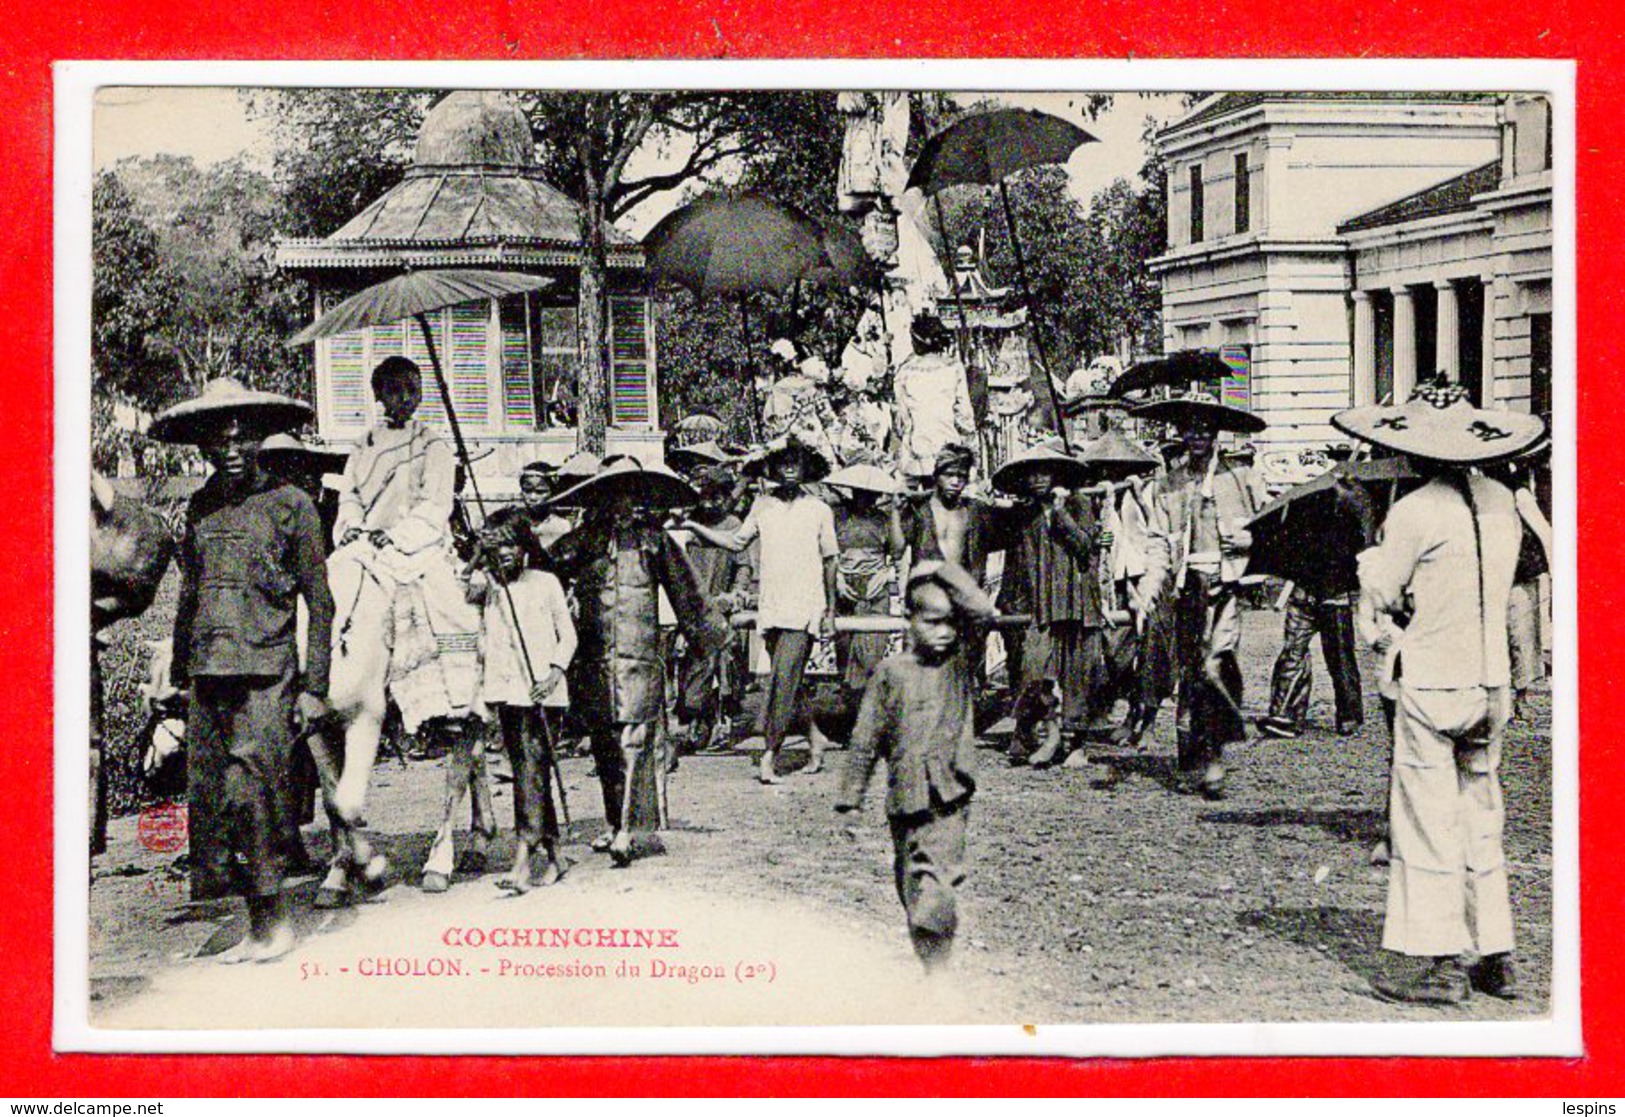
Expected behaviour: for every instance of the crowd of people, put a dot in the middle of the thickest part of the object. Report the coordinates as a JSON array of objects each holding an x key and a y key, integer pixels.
[{"x": 624, "y": 603}]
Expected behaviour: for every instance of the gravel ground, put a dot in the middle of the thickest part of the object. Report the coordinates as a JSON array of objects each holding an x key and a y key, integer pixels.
[{"x": 1083, "y": 905}]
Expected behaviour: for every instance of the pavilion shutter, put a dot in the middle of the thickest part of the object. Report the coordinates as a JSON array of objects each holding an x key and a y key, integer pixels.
[
  {"x": 466, "y": 365},
  {"x": 630, "y": 361},
  {"x": 347, "y": 382},
  {"x": 518, "y": 403}
]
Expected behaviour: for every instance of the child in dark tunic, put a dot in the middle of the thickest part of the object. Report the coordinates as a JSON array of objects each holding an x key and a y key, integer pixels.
[{"x": 917, "y": 715}]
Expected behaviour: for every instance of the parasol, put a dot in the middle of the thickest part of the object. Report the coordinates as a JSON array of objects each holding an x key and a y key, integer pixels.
[
  {"x": 985, "y": 149},
  {"x": 416, "y": 294},
  {"x": 736, "y": 245},
  {"x": 1311, "y": 533},
  {"x": 1176, "y": 370}
]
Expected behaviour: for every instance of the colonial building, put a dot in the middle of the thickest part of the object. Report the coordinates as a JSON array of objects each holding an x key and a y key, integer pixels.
[
  {"x": 474, "y": 198},
  {"x": 1336, "y": 247}
]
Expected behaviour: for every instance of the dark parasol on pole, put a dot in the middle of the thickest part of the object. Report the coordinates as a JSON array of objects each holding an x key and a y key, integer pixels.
[
  {"x": 1180, "y": 369},
  {"x": 1319, "y": 527},
  {"x": 985, "y": 149},
  {"x": 726, "y": 244}
]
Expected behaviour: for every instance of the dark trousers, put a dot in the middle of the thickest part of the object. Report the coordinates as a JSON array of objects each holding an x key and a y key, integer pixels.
[
  {"x": 788, "y": 650},
  {"x": 530, "y": 752},
  {"x": 1205, "y": 630},
  {"x": 929, "y": 866},
  {"x": 1293, "y": 677},
  {"x": 239, "y": 734},
  {"x": 610, "y": 761}
]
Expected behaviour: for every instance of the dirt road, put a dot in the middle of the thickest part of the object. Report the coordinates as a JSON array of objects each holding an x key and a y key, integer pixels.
[{"x": 1083, "y": 905}]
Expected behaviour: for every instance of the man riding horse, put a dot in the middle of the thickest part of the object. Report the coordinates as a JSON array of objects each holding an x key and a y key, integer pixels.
[{"x": 404, "y": 629}]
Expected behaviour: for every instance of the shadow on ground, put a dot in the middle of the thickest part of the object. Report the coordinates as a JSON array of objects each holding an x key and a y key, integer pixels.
[{"x": 1362, "y": 826}]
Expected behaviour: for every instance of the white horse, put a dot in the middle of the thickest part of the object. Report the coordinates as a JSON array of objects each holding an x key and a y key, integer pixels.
[
  {"x": 356, "y": 691},
  {"x": 363, "y": 652}
]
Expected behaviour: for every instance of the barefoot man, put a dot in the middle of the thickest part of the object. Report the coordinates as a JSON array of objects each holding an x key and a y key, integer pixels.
[{"x": 252, "y": 548}]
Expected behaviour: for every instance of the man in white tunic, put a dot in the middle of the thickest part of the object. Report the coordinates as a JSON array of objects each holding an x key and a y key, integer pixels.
[
  {"x": 394, "y": 532},
  {"x": 1443, "y": 571}
]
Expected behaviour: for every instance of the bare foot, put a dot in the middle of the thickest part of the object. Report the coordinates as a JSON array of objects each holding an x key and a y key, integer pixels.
[
  {"x": 514, "y": 885},
  {"x": 280, "y": 943},
  {"x": 244, "y": 951},
  {"x": 620, "y": 850},
  {"x": 552, "y": 873},
  {"x": 768, "y": 773}
]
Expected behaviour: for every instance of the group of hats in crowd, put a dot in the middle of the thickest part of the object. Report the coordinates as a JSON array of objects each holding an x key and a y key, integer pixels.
[{"x": 1438, "y": 423}]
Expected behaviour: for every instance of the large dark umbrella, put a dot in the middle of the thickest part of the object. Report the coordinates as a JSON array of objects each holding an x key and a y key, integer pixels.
[
  {"x": 416, "y": 294},
  {"x": 1315, "y": 529},
  {"x": 1176, "y": 370},
  {"x": 736, "y": 244},
  {"x": 983, "y": 150}
]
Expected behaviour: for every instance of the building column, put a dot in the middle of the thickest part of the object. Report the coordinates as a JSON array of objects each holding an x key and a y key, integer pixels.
[
  {"x": 1404, "y": 344},
  {"x": 1487, "y": 393},
  {"x": 1447, "y": 331},
  {"x": 1365, "y": 350}
]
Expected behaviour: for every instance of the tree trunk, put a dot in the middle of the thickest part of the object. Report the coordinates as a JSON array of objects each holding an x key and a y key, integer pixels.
[{"x": 592, "y": 398}]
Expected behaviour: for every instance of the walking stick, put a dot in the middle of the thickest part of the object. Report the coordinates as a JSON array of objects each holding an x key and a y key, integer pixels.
[{"x": 479, "y": 501}]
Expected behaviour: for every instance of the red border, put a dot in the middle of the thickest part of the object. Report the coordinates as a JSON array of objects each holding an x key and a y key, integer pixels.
[{"x": 37, "y": 34}]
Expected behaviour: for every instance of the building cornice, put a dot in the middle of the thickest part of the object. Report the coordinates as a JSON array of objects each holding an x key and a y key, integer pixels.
[
  {"x": 1241, "y": 248},
  {"x": 1425, "y": 228},
  {"x": 1533, "y": 191},
  {"x": 308, "y": 254}
]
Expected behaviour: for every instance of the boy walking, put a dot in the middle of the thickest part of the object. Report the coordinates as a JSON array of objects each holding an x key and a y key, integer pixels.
[
  {"x": 252, "y": 548},
  {"x": 917, "y": 715},
  {"x": 527, "y": 641}
]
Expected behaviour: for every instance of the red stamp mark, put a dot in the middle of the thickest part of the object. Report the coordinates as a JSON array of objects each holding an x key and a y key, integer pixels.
[{"x": 162, "y": 828}]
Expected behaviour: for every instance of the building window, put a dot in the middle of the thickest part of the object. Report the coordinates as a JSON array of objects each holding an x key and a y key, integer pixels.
[
  {"x": 1196, "y": 204},
  {"x": 1244, "y": 192}
]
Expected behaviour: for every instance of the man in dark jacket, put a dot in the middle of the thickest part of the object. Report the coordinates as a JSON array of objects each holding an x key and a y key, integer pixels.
[{"x": 252, "y": 548}]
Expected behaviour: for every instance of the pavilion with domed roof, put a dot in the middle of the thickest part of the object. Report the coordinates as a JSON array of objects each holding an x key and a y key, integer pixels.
[{"x": 474, "y": 198}]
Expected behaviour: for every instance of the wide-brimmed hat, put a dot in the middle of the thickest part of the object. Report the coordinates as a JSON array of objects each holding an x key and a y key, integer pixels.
[
  {"x": 1112, "y": 457},
  {"x": 815, "y": 467},
  {"x": 1440, "y": 424},
  {"x": 579, "y": 466},
  {"x": 865, "y": 477},
  {"x": 192, "y": 422},
  {"x": 1069, "y": 472},
  {"x": 1189, "y": 411},
  {"x": 699, "y": 454},
  {"x": 653, "y": 486},
  {"x": 285, "y": 447}
]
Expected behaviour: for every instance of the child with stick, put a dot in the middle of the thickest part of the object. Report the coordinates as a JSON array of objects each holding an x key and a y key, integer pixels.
[
  {"x": 917, "y": 715},
  {"x": 526, "y": 643}
]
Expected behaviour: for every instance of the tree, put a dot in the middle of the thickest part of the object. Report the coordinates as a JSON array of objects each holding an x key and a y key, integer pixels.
[{"x": 131, "y": 299}]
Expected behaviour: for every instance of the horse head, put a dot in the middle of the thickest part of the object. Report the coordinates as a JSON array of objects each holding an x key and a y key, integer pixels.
[{"x": 130, "y": 549}]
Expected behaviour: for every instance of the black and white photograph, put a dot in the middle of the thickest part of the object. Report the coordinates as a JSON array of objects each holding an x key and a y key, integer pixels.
[{"x": 853, "y": 566}]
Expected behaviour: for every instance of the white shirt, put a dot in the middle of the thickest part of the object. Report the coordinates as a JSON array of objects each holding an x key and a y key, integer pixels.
[
  {"x": 400, "y": 481},
  {"x": 550, "y": 637},
  {"x": 933, "y": 409},
  {"x": 796, "y": 537},
  {"x": 1426, "y": 564}
]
